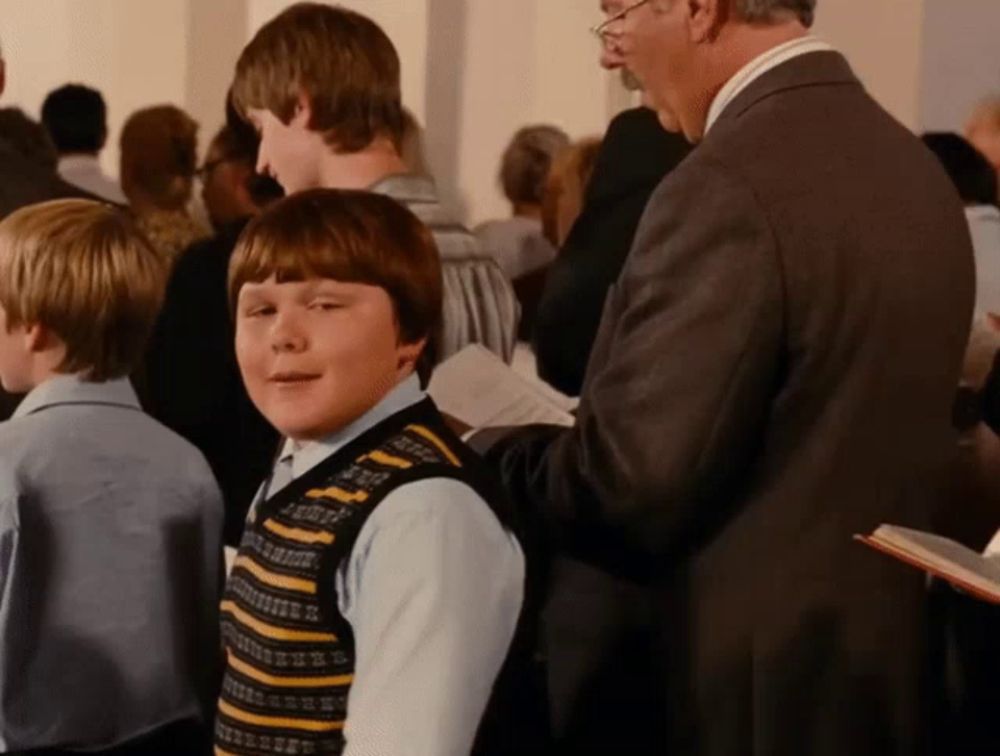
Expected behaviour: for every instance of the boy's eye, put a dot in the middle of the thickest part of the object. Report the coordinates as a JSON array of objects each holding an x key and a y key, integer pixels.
[
  {"x": 259, "y": 311},
  {"x": 324, "y": 305}
]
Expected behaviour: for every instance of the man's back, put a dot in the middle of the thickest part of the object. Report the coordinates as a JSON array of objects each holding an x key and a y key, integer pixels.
[
  {"x": 774, "y": 373},
  {"x": 814, "y": 279},
  {"x": 109, "y": 567}
]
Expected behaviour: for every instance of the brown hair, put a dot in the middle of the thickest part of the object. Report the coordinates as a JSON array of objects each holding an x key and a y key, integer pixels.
[
  {"x": 350, "y": 236},
  {"x": 83, "y": 270},
  {"x": 159, "y": 147},
  {"x": 986, "y": 115},
  {"x": 566, "y": 187},
  {"x": 526, "y": 161},
  {"x": 340, "y": 60}
]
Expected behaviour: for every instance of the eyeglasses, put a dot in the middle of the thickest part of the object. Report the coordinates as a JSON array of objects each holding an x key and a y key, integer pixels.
[{"x": 603, "y": 30}]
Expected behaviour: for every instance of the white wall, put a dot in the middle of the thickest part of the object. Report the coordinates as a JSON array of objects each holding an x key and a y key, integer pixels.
[
  {"x": 961, "y": 60},
  {"x": 134, "y": 51},
  {"x": 526, "y": 62},
  {"x": 882, "y": 40}
]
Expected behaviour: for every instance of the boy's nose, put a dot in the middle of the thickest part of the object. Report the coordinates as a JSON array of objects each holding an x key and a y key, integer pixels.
[{"x": 286, "y": 337}]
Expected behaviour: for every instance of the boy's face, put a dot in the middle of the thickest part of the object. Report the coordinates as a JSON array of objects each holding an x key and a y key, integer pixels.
[
  {"x": 290, "y": 153},
  {"x": 317, "y": 354},
  {"x": 15, "y": 357}
]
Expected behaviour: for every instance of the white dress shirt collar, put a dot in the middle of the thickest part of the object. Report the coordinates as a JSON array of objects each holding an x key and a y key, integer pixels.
[
  {"x": 306, "y": 455},
  {"x": 757, "y": 68}
]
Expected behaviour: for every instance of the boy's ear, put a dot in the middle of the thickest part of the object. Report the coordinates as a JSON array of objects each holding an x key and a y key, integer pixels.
[
  {"x": 38, "y": 338},
  {"x": 407, "y": 356},
  {"x": 303, "y": 111}
]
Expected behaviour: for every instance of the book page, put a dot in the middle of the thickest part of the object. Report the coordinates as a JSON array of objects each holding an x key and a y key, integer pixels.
[
  {"x": 479, "y": 389},
  {"x": 949, "y": 558},
  {"x": 992, "y": 551}
]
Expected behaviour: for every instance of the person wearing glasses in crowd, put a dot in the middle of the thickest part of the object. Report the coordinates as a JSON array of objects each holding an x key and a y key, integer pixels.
[
  {"x": 191, "y": 381},
  {"x": 752, "y": 399}
]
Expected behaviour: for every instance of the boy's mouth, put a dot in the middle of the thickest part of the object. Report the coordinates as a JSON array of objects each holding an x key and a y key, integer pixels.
[{"x": 292, "y": 378}]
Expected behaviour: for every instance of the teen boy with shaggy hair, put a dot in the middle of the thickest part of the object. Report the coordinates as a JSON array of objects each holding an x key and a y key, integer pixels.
[{"x": 321, "y": 85}]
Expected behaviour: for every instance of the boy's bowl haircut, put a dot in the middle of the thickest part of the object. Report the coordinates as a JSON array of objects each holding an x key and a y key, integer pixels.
[
  {"x": 83, "y": 270},
  {"x": 354, "y": 237}
]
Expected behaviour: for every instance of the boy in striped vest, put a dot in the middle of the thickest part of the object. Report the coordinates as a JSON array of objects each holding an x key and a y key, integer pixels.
[{"x": 377, "y": 585}]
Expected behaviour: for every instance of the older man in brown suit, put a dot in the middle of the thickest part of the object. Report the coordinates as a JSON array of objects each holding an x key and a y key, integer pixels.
[{"x": 773, "y": 373}]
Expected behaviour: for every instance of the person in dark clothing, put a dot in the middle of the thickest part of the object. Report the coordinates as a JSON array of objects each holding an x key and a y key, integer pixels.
[
  {"x": 192, "y": 383},
  {"x": 635, "y": 156},
  {"x": 24, "y": 181}
]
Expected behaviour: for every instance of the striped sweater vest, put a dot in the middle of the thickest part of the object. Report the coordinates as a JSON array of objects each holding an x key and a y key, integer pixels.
[{"x": 289, "y": 652}]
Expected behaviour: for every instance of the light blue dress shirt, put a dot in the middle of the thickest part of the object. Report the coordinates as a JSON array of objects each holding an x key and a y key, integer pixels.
[
  {"x": 432, "y": 589},
  {"x": 110, "y": 560}
]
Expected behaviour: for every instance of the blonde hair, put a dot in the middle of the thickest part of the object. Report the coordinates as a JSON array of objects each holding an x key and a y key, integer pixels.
[{"x": 84, "y": 271}]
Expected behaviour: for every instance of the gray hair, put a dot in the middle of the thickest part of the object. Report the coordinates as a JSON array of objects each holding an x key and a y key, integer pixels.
[{"x": 766, "y": 10}]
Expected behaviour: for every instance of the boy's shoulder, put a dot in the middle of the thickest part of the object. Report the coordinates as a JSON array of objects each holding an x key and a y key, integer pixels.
[
  {"x": 101, "y": 431},
  {"x": 416, "y": 446}
]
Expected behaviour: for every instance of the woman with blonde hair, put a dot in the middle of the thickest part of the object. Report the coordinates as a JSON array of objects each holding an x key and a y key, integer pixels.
[{"x": 159, "y": 152}]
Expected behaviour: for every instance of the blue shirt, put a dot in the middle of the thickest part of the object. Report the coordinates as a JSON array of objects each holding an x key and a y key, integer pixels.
[
  {"x": 110, "y": 543},
  {"x": 432, "y": 589}
]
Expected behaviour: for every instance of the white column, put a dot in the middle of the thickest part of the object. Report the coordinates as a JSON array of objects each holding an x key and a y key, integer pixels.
[
  {"x": 961, "y": 61},
  {"x": 882, "y": 39}
]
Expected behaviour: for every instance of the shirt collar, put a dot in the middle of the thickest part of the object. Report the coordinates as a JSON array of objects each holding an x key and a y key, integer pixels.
[
  {"x": 406, "y": 187},
  {"x": 307, "y": 455},
  {"x": 758, "y": 67},
  {"x": 982, "y": 212},
  {"x": 79, "y": 161},
  {"x": 72, "y": 389}
]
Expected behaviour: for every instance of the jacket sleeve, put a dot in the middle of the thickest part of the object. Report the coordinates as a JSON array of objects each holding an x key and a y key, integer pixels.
[{"x": 679, "y": 384}]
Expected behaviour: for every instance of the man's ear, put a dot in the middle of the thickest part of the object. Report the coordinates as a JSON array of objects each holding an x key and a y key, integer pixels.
[
  {"x": 705, "y": 18},
  {"x": 3, "y": 75},
  {"x": 407, "y": 356}
]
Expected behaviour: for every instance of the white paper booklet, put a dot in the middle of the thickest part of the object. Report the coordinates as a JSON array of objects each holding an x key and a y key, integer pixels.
[
  {"x": 478, "y": 388},
  {"x": 975, "y": 573}
]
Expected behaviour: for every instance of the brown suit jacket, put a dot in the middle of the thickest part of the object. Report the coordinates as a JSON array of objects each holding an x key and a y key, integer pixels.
[{"x": 774, "y": 373}]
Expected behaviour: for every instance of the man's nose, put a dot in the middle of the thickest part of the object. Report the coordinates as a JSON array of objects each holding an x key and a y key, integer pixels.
[{"x": 611, "y": 54}]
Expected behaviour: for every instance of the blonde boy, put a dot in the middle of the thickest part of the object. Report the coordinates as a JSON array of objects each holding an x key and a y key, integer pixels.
[
  {"x": 110, "y": 525},
  {"x": 376, "y": 589}
]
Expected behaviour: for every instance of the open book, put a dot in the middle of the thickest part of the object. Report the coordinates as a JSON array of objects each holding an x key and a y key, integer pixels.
[
  {"x": 478, "y": 388},
  {"x": 964, "y": 568}
]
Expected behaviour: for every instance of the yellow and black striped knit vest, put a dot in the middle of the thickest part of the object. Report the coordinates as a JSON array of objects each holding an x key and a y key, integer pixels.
[{"x": 289, "y": 652}]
